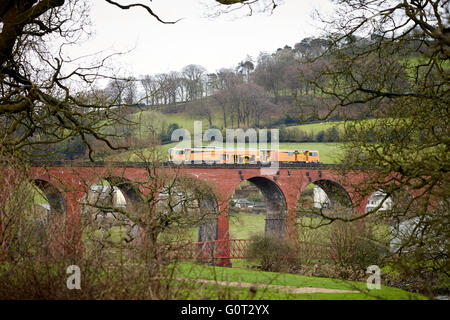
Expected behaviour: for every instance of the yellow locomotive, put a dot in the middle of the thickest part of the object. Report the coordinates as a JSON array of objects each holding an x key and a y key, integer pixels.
[{"x": 241, "y": 156}]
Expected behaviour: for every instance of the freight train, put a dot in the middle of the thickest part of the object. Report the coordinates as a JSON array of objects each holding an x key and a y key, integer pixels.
[{"x": 241, "y": 156}]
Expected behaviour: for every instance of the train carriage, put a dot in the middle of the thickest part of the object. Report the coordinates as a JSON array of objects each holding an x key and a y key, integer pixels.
[{"x": 240, "y": 156}]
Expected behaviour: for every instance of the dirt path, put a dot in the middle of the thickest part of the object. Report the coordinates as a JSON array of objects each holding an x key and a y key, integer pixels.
[{"x": 286, "y": 289}]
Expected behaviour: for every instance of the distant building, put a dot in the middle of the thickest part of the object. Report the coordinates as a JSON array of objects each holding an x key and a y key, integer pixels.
[
  {"x": 375, "y": 200},
  {"x": 117, "y": 196},
  {"x": 242, "y": 203},
  {"x": 321, "y": 200}
]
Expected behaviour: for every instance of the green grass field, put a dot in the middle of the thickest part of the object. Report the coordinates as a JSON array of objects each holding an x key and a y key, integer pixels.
[
  {"x": 186, "y": 121},
  {"x": 316, "y": 127},
  {"x": 183, "y": 120},
  {"x": 244, "y": 225},
  {"x": 193, "y": 271},
  {"x": 153, "y": 120}
]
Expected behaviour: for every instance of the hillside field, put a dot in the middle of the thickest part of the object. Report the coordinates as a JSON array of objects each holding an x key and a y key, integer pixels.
[{"x": 329, "y": 151}]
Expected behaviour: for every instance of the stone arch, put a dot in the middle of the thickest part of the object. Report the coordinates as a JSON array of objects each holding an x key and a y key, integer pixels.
[
  {"x": 54, "y": 196},
  {"x": 133, "y": 201},
  {"x": 107, "y": 194},
  {"x": 128, "y": 189},
  {"x": 206, "y": 218},
  {"x": 276, "y": 207},
  {"x": 51, "y": 228},
  {"x": 327, "y": 198},
  {"x": 336, "y": 194}
]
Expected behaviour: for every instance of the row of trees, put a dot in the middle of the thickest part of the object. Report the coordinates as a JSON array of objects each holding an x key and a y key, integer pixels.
[
  {"x": 242, "y": 96},
  {"x": 277, "y": 73},
  {"x": 295, "y": 134},
  {"x": 169, "y": 88},
  {"x": 238, "y": 104}
]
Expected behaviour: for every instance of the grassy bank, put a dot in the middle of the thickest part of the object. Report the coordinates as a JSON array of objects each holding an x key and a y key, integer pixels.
[{"x": 292, "y": 281}]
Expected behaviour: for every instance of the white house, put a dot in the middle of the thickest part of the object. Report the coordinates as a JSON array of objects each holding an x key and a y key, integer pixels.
[
  {"x": 117, "y": 196},
  {"x": 375, "y": 200},
  {"x": 321, "y": 199}
]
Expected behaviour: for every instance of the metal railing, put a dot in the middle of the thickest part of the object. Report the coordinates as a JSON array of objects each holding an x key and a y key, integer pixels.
[{"x": 214, "y": 249}]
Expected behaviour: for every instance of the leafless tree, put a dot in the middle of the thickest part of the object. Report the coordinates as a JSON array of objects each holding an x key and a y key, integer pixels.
[
  {"x": 194, "y": 81},
  {"x": 148, "y": 83},
  {"x": 270, "y": 70}
]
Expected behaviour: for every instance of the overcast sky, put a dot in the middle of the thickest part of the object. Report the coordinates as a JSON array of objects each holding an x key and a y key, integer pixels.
[{"x": 212, "y": 43}]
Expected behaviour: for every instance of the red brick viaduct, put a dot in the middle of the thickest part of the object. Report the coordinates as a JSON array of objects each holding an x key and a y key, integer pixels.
[{"x": 64, "y": 186}]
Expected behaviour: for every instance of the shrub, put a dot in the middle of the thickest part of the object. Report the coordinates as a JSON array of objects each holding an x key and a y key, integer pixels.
[
  {"x": 273, "y": 253},
  {"x": 368, "y": 252},
  {"x": 320, "y": 136},
  {"x": 353, "y": 249},
  {"x": 166, "y": 135},
  {"x": 332, "y": 135}
]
